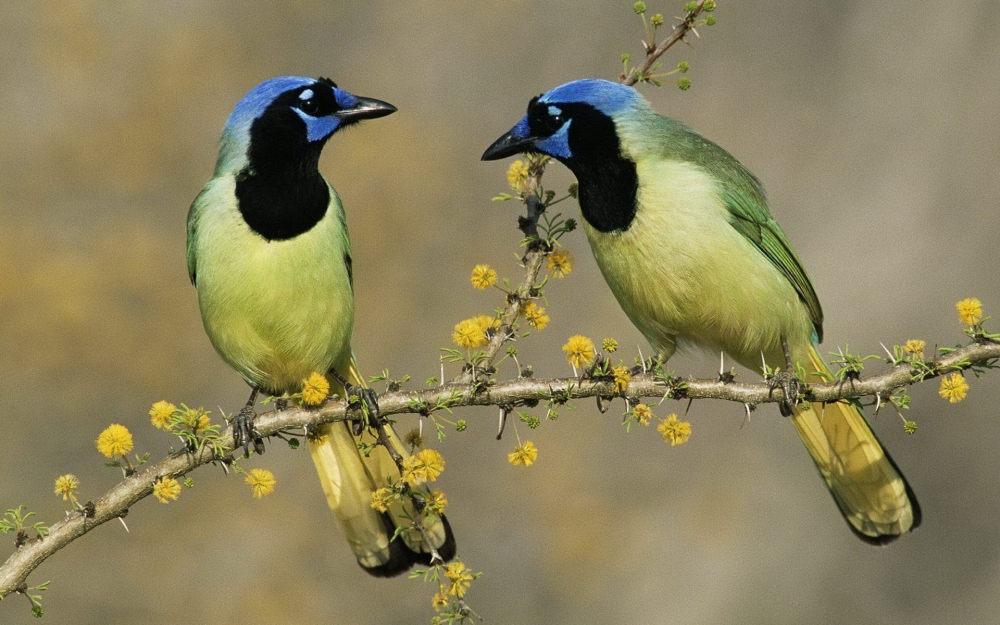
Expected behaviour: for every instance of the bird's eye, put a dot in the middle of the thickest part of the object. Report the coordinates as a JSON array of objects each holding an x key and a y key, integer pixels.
[
  {"x": 309, "y": 107},
  {"x": 555, "y": 122}
]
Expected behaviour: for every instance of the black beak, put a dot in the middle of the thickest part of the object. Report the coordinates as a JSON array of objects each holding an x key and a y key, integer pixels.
[
  {"x": 509, "y": 145},
  {"x": 366, "y": 108}
]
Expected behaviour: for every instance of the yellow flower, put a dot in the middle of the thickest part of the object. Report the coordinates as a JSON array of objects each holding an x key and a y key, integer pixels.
[
  {"x": 381, "y": 499},
  {"x": 436, "y": 502},
  {"x": 523, "y": 456},
  {"x": 161, "y": 413},
  {"x": 115, "y": 440},
  {"x": 579, "y": 350},
  {"x": 675, "y": 432},
  {"x": 642, "y": 413},
  {"x": 622, "y": 378},
  {"x": 469, "y": 334},
  {"x": 609, "y": 345},
  {"x": 486, "y": 322},
  {"x": 440, "y": 600},
  {"x": 166, "y": 489},
  {"x": 483, "y": 277},
  {"x": 413, "y": 471},
  {"x": 915, "y": 347},
  {"x": 517, "y": 175},
  {"x": 315, "y": 389},
  {"x": 970, "y": 311},
  {"x": 535, "y": 315},
  {"x": 65, "y": 485},
  {"x": 953, "y": 388},
  {"x": 261, "y": 481},
  {"x": 433, "y": 463},
  {"x": 196, "y": 418},
  {"x": 461, "y": 578},
  {"x": 560, "y": 263}
]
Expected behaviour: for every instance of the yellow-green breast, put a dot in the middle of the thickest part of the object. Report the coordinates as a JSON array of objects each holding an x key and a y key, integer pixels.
[
  {"x": 276, "y": 311},
  {"x": 683, "y": 274}
]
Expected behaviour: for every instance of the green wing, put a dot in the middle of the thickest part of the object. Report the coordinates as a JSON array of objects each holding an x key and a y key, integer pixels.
[
  {"x": 194, "y": 213},
  {"x": 752, "y": 219},
  {"x": 744, "y": 196}
]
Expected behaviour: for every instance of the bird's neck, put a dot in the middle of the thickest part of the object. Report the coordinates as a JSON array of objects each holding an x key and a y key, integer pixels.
[
  {"x": 607, "y": 191},
  {"x": 282, "y": 198}
]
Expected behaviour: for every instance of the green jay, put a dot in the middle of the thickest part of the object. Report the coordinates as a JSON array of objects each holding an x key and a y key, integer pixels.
[
  {"x": 269, "y": 253},
  {"x": 683, "y": 235}
]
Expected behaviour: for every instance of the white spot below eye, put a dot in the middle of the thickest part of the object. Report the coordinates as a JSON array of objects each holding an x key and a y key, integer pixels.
[
  {"x": 305, "y": 95},
  {"x": 555, "y": 111}
]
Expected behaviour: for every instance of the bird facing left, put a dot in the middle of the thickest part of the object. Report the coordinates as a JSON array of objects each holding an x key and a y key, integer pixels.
[{"x": 269, "y": 254}]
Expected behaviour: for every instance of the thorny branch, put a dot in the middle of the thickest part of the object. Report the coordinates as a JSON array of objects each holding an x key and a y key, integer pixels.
[{"x": 117, "y": 501}]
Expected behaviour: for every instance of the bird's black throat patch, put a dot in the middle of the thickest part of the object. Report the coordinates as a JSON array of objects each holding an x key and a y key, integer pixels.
[
  {"x": 608, "y": 180},
  {"x": 280, "y": 192}
]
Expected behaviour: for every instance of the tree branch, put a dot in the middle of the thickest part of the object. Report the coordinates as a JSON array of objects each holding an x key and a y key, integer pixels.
[{"x": 117, "y": 501}]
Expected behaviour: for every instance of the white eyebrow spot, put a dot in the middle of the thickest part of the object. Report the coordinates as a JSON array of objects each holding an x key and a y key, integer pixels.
[
  {"x": 305, "y": 95},
  {"x": 555, "y": 111}
]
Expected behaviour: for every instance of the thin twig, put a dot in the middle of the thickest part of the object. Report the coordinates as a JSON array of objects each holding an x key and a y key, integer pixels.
[{"x": 685, "y": 26}]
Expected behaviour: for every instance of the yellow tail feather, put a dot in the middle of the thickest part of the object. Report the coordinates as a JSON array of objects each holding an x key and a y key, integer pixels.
[
  {"x": 349, "y": 478},
  {"x": 870, "y": 491}
]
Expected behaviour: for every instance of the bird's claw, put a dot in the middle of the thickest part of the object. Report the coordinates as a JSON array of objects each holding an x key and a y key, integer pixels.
[
  {"x": 790, "y": 386},
  {"x": 244, "y": 433},
  {"x": 367, "y": 403}
]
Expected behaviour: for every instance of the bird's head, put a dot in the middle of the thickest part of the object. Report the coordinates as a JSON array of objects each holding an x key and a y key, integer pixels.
[
  {"x": 574, "y": 122},
  {"x": 289, "y": 118}
]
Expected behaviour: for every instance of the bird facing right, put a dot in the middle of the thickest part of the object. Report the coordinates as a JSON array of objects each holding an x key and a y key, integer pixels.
[{"x": 683, "y": 235}]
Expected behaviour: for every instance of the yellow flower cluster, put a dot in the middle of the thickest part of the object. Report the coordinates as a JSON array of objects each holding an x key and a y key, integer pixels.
[
  {"x": 915, "y": 347},
  {"x": 622, "y": 378},
  {"x": 440, "y": 600},
  {"x": 517, "y": 175},
  {"x": 953, "y": 388},
  {"x": 197, "y": 419},
  {"x": 483, "y": 277},
  {"x": 161, "y": 413},
  {"x": 166, "y": 490},
  {"x": 261, "y": 482},
  {"x": 674, "y": 431},
  {"x": 609, "y": 345},
  {"x": 65, "y": 485},
  {"x": 461, "y": 578},
  {"x": 560, "y": 263},
  {"x": 642, "y": 413},
  {"x": 970, "y": 311},
  {"x": 423, "y": 467},
  {"x": 579, "y": 350},
  {"x": 487, "y": 323},
  {"x": 115, "y": 440},
  {"x": 436, "y": 502},
  {"x": 470, "y": 334},
  {"x": 315, "y": 389},
  {"x": 381, "y": 499},
  {"x": 524, "y": 455},
  {"x": 535, "y": 315}
]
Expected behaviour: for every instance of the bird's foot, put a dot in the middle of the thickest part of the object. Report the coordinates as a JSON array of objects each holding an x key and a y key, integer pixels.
[
  {"x": 365, "y": 400},
  {"x": 790, "y": 386},
  {"x": 244, "y": 433}
]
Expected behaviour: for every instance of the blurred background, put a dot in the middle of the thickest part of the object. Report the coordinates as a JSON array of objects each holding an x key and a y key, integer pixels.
[{"x": 874, "y": 127}]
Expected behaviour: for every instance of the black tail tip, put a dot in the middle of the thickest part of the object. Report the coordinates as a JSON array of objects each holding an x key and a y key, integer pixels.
[{"x": 402, "y": 558}]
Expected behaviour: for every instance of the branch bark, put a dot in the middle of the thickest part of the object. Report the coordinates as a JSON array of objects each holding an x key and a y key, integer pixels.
[{"x": 120, "y": 498}]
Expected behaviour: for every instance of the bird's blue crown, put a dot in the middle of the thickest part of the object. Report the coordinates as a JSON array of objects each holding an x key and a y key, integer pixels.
[{"x": 607, "y": 97}]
